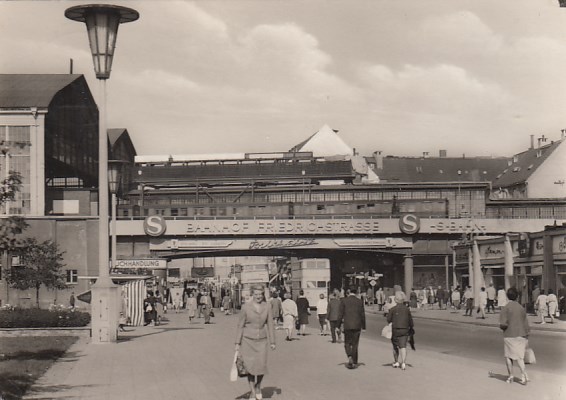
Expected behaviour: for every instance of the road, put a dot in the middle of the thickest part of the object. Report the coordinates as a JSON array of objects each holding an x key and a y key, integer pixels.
[{"x": 476, "y": 342}]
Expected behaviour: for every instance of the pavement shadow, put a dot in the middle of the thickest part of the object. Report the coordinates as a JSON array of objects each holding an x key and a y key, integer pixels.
[
  {"x": 45, "y": 392},
  {"x": 268, "y": 392},
  {"x": 499, "y": 377},
  {"x": 158, "y": 330}
]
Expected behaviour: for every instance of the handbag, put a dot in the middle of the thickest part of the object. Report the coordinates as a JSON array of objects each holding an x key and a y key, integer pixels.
[
  {"x": 241, "y": 368},
  {"x": 387, "y": 331},
  {"x": 212, "y": 313},
  {"x": 530, "y": 356}
]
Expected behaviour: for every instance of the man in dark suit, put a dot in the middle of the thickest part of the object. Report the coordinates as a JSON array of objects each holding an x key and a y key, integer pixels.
[{"x": 353, "y": 319}]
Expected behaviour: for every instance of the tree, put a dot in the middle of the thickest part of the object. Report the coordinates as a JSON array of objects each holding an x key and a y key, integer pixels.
[
  {"x": 10, "y": 227},
  {"x": 41, "y": 264}
]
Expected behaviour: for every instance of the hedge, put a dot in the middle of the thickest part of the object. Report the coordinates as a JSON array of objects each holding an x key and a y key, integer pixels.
[{"x": 38, "y": 318}]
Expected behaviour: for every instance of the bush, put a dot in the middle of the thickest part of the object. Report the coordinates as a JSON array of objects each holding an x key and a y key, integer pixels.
[{"x": 37, "y": 318}]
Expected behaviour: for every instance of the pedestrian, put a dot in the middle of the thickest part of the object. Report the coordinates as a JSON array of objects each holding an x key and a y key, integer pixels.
[
  {"x": 380, "y": 298},
  {"x": 413, "y": 299},
  {"x": 333, "y": 315},
  {"x": 303, "y": 308},
  {"x": 72, "y": 301},
  {"x": 541, "y": 307},
  {"x": 370, "y": 295},
  {"x": 552, "y": 303},
  {"x": 469, "y": 299},
  {"x": 401, "y": 322},
  {"x": 275, "y": 303},
  {"x": 177, "y": 301},
  {"x": 149, "y": 307},
  {"x": 158, "y": 307},
  {"x": 441, "y": 297},
  {"x": 456, "y": 298},
  {"x": 322, "y": 311},
  {"x": 423, "y": 297},
  {"x": 227, "y": 304},
  {"x": 353, "y": 318},
  {"x": 515, "y": 326},
  {"x": 534, "y": 296},
  {"x": 192, "y": 306},
  {"x": 501, "y": 298},
  {"x": 290, "y": 314},
  {"x": 431, "y": 297},
  {"x": 490, "y": 298},
  {"x": 199, "y": 302},
  {"x": 206, "y": 303},
  {"x": 482, "y": 302},
  {"x": 254, "y": 335}
]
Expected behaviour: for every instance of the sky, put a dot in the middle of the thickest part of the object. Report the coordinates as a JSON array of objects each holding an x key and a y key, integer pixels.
[{"x": 473, "y": 77}]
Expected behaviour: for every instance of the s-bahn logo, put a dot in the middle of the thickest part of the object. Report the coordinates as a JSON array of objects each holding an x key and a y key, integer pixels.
[
  {"x": 409, "y": 224},
  {"x": 154, "y": 225}
]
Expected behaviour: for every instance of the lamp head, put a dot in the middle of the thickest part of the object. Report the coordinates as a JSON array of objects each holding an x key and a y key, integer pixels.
[{"x": 102, "y": 21}]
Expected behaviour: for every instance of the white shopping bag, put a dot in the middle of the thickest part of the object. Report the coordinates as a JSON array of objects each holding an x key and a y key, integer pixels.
[
  {"x": 386, "y": 332},
  {"x": 234, "y": 369}
]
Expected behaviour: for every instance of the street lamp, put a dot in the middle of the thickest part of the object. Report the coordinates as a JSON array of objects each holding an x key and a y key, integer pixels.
[{"x": 102, "y": 23}]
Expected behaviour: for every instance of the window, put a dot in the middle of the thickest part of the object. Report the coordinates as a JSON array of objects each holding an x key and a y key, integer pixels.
[{"x": 72, "y": 276}]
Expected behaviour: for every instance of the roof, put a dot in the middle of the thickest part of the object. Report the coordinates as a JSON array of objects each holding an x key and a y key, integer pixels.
[
  {"x": 32, "y": 90},
  {"x": 434, "y": 169},
  {"x": 325, "y": 142},
  {"x": 115, "y": 133},
  {"x": 524, "y": 165}
]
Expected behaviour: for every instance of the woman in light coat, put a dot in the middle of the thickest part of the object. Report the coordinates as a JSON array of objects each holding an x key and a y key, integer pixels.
[
  {"x": 290, "y": 314},
  {"x": 192, "y": 306},
  {"x": 254, "y": 335}
]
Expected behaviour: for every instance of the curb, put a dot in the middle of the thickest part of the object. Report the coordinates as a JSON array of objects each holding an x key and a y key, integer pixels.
[{"x": 26, "y": 332}]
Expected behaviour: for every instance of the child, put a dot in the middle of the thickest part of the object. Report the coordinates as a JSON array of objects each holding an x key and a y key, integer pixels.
[{"x": 226, "y": 305}]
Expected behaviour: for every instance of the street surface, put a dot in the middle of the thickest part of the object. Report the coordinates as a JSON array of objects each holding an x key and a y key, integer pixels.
[
  {"x": 476, "y": 342},
  {"x": 178, "y": 360}
]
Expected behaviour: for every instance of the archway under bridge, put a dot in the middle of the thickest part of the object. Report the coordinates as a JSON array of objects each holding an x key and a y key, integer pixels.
[{"x": 347, "y": 265}]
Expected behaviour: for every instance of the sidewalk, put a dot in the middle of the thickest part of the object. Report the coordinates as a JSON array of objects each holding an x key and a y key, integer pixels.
[
  {"x": 181, "y": 361},
  {"x": 490, "y": 319}
]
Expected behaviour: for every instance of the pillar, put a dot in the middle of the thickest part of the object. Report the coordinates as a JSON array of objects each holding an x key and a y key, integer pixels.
[
  {"x": 408, "y": 264},
  {"x": 478, "y": 276},
  {"x": 508, "y": 254}
]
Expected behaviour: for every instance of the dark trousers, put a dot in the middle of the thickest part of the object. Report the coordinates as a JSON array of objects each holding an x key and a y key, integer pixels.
[
  {"x": 351, "y": 342},
  {"x": 334, "y": 325},
  {"x": 490, "y": 304}
]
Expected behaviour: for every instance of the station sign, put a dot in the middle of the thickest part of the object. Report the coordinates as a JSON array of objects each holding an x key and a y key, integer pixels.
[{"x": 409, "y": 224}]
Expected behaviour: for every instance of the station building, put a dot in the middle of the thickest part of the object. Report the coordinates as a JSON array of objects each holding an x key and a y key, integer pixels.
[
  {"x": 399, "y": 218},
  {"x": 49, "y": 135}
]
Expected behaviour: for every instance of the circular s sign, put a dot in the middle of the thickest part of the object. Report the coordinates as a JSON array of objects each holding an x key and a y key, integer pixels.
[
  {"x": 409, "y": 224},
  {"x": 154, "y": 225}
]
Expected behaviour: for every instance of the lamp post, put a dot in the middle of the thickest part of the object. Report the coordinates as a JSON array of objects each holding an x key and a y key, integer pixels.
[
  {"x": 102, "y": 23},
  {"x": 114, "y": 179}
]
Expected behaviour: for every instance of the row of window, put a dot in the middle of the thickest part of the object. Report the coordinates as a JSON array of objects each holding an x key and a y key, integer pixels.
[
  {"x": 15, "y": 142},
  {"x": 305, "y": 197}
]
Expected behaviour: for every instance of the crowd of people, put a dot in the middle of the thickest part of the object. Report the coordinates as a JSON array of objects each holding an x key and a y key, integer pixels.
[
  {"x": 342, "y": 316},
  {"x": 198, "y": 302}
]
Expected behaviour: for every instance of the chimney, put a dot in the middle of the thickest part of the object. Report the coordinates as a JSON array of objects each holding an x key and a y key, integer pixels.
[
  {"x": 532, "y": 142},
  {"x": 378, "y": 157},
  {"x": 442, "y": 153},
  {"x": 71, "y": 66}
]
